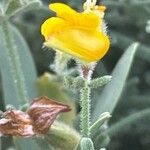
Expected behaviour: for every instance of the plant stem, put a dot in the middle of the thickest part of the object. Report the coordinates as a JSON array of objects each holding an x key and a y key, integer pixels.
[
  {"x": 85, "y": 104},
  {"x": 85, "y": 112},
  {"x": 14, "y": 62}
]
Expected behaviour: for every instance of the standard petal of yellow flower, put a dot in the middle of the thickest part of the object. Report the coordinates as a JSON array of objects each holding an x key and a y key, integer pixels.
[
  {"x": 87, "y": 45},
  {"x": 62, "y": 10},
  {"x": 74, "y": 18},
  {"x": 89, "y": 20},
  {"x": 51, "y": 26}
]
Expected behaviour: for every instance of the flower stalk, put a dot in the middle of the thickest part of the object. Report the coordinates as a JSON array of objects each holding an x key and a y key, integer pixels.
[
  {"x": 14, "y": 62},
  {"x": 85, "y": 103}
]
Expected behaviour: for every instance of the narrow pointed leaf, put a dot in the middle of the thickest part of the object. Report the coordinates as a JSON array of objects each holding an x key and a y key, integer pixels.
[
  {"x": 127, "y": 121},
  {"x": 27, "y": 64},
  {"x": 112, "y": 91},
  {"x": 10, "y": 94},
  {"x": 122, "y": 41},
  {"x": 96, "y": 125},
  {"x": 95, "y": 83},
  {"x": 17, "y": 7},
  {"x": 86, "y": 144}
]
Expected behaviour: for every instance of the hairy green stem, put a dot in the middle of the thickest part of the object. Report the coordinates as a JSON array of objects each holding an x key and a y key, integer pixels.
[
  {"x": 85, "y": 103},
  {"x": 85, "y": 111},
  {"x": 14, "y": 62}
]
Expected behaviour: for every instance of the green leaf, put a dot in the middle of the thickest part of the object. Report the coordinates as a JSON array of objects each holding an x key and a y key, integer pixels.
[
  {"x": 4, "y": 5},
  {"x": 126, "y": 122},
  {"x": 9, "y": 90},
  {"x": 86, "y": 144},
  {"x": 10, "y": 93},
  {"x": 43, "y": 143},
  {"x": 74, "y": 83},
  {"x": 13, "y": 6},
  {"x": 16, "y": 7},
  {"x": 122, "y": 41},
  {"x": 25, "y": 143},
  {"x": 96, "y": 125},
  {"x": 112, "y": 91},
  {"x": 101, "y": 140},
  {"x": 27, "y": 63},
  {"x": 95, "y": 83},
  {"x": 137, "y": 2}
]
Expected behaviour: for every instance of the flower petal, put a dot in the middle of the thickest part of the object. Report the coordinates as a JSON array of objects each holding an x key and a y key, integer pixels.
[
  {"x": 74, "y": 18},
  {"x": 78, "y": 34},
  {"x": 88, "y": 20},
  {"x": 51, "y": 26},
  {"x": 62, "y": 10},
  {"x": 88, "y": 45}
]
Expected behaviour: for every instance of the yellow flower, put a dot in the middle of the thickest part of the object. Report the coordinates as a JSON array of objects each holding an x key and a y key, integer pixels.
[{"x": 78, "y": 34}]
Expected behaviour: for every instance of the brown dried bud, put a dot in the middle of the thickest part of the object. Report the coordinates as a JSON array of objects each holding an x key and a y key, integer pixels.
[
  {"x": 37, "y": 120},
  {"x": 43, "y": 111},
  {"x": 17, "y": 116},
  {"x": 16, "y": 123}
]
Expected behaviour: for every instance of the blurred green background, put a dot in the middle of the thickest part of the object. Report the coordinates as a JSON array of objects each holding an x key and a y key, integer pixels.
[{"x": 127, "y": 21}]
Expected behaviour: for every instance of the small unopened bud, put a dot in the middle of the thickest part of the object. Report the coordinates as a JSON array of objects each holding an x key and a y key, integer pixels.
[{"x": 62, "y": 136}]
